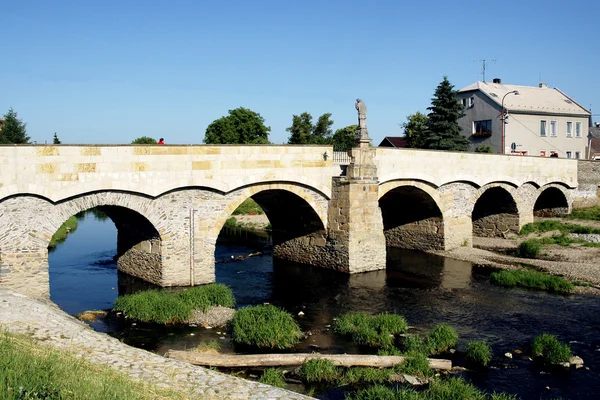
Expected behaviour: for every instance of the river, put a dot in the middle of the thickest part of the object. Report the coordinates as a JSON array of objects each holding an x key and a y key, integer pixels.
[{"x": 424, "y": 288}]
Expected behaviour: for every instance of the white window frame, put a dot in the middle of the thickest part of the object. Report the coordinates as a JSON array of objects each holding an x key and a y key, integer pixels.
[
  {"x": 569, "y": 128},
  {"x": 553, "y": 128},
  {"x": 569, "y": 154},
  {"x": 578, "y": 129},
  {"x": 543, "y": 128},
  {"x": 471, "y": 101},
  {"x": 577, "y": 155}
]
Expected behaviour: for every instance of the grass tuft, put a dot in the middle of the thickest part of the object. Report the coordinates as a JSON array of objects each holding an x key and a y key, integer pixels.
[
  {"x": 273, "y": 377},
  {"x": 379, "y": 392},
  {"x": 529, "y": 248},
  {"x": 319, "y": 370},
  {"x": 441, "y": 338},
  {"x": 453, "y": 389},
  {"x": 356, "y": 375},
  {"x": 531, "y": 279},
  {"x": 551, "y": 225},
  {"x": 373, "y": 331},
  {"x": 265, "y": 326},
  {"x": 550, "y": 349},
  {"x": 503, "y": 396},
  {"x": 479, "y": 352},
  {"x": 416, "y": 364},
  {"x": 167, "y": 307}
]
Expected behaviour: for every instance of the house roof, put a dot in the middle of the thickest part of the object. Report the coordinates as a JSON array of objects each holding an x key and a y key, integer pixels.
[
  {"x": 393, "y": 141},
  {"x": 530, "y": 99},
  {"x": 595, "y": 132}
]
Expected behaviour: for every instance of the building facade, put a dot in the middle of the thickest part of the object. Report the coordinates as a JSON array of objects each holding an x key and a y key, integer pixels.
[{"x": 538, "y": 121}]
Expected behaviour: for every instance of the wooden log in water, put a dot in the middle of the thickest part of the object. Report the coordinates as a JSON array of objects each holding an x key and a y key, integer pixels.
[{"x": 275, "y": 360}]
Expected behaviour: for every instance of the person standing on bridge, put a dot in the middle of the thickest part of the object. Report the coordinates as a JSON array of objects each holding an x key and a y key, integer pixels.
[{"x": 161, "y": 141}]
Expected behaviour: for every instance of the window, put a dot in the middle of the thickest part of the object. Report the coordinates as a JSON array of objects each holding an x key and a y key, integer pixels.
[
  {"x": 464, "y": 102},
  {"x": 553, "y": 128},
  {"x": 577, "y": 129},
  {"x": 543, "y": 128},
  {"x": 569, "y": 129},
  {"x": 577, "y": 154},
  {"x": 542, "y": 153},
  {"x": 471, "y": 102},
  {"x": 568, "y": 154},
  {"x": 482, "y": 128}
]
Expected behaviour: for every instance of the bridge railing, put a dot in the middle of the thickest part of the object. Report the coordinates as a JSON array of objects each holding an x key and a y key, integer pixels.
[{"x": 341, "y": 157}]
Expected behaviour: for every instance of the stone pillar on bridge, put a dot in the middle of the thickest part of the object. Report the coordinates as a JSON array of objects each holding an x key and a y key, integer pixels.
[{"x": 355, "y": 222}]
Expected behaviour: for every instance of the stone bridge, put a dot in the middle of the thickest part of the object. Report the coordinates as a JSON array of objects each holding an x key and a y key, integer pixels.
[{"x": 169, "y": 203}]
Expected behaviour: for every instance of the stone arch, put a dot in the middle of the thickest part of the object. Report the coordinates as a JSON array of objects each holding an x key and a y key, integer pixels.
[
  {"x": 495, "y": 211},
  {"x": 553, "y": 200},
  {"x": 413, "y": 215}
]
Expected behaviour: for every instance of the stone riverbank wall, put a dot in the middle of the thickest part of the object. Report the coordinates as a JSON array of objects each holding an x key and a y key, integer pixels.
[{"x": 46, "y": 323}]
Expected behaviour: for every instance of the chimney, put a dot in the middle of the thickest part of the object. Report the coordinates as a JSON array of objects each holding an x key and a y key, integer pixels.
[
  {"x": 597, "y": 124},
  {"x": 543, "y": 85},
  {"x": 497, "y": 80}
]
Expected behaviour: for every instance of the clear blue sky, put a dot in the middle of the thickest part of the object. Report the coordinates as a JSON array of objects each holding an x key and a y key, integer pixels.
[{"x": 111, "y": 71}]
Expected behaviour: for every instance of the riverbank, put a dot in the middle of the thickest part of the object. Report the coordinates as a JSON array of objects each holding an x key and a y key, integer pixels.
[{"x": 47, "y": 324}]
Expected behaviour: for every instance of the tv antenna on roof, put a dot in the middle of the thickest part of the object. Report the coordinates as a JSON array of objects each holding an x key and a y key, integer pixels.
[{"x": 483, "y": 66}]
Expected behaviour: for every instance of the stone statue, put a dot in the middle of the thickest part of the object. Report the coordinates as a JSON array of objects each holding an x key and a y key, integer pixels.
[{"x": 361, "y": 107}]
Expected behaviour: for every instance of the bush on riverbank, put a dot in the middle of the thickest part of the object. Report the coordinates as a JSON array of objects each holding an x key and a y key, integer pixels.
[
  {"x": 31, "y": 371},
  {"x": 550, "y": 349},
  {"x": 248, "y": 207},
  {"x": 531, "y": 279},
  {"x": 61, "y": 234},
  {"x": 265, "y": 326},
  {"x": 529, "y": 249},
  {"x": 479, "y": 352},
  {"x": 371, "y": 330},
  {"x": 167, "y": 307}
]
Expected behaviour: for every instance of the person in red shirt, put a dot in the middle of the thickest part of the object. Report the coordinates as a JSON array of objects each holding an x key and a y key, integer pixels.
[{"x": 161, "y": 141}]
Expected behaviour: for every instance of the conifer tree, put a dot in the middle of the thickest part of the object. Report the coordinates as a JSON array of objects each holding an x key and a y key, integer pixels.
[
  {"x": 13, "y": 130},
  {"x": 442, "y": 121},
  {"x": 56, "y": 140}
]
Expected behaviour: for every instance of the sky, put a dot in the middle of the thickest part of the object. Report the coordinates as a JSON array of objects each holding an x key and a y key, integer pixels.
[{"x": 107, "y": 72}]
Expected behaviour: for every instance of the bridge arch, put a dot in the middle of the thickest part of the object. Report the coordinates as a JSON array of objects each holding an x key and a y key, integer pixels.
[
  {"x": 553, "y": 200},
  {"x": 495, "y": 211},
  {"x": 413, "y": 215}
]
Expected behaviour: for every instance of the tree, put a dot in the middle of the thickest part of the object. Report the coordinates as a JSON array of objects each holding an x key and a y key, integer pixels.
[
  {"x": 241, "y": 126},
  {"x": 13, "y": 130},
  {"x": 415, "y": 130},
  {"x": 56, "y": 140},
  {"x": 442, "y": 121},
  {"x": 303, "y": 131},
  {"x": 144, "y": 140},
  {"x": 344, "y": 138}
]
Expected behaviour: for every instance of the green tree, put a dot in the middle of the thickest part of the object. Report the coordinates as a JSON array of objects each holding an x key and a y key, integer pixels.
[
  {"x": 442, "y": 121},
  {"x": 344, "y": 138},
  {"x": 144, "y": 140},
  {"x": 415, "y": 130},
  {"x": 13, "y": 130},
  {"x": 303, "y": 131},
  {"x": 241, "y": 126},
  {"x": 55, "y": 139}
]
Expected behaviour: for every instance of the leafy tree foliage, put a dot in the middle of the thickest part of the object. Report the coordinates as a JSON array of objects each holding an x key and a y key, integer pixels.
[
  {"x": 343, "y": 139},
  {"x": 241, "y": 126},
  {"x": 144, "y": 140},
  {"x": 56, "y": 140},
  {"x": 415, "y": 130},
  {"x": 303, "y": 131},
  {"x": 13, "y": 130},
  {"x": 442, "y": 121}
]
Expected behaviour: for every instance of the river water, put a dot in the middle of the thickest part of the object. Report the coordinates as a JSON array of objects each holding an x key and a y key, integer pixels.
[{"x": 425, "y": 289}]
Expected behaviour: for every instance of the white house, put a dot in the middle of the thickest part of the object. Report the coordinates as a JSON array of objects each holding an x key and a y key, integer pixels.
[{"x": 539, "y": 121}]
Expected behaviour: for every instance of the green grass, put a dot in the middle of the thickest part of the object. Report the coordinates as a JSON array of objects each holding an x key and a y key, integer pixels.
[
  {"x": 207, "y": 347},
  {"x": 31, "y": 371},
  {"x": 415, "y": 344},
  {"x": 416, "y": 364},
  {"x": 550, "y": 349},
  {"x": 453, "y": 389},
  {"x": 379, "y": 392},
  {"x": 551, "y": 225},
  {"x": 167, "y": 307},
  {"x": 531, "y": 279},
  {"x": 273, "y": 377},
  {"x": 248, "y": 207},
  {"x": 319, "y": 370},
  {"x": 231, "y": 222},
  {"x": 367, "y": 330},
  {"x": 503, "y": 396},
  {"x": 590, "y": 213},
  {"x": 265, "y": 326},
  {"x": 61, "y": 234},
  {"x": 529, "y": 248},
  {"x": 441, "y": 338},
  {"x": 361, "y": 375},
  {"x": 479, "y": 352}
]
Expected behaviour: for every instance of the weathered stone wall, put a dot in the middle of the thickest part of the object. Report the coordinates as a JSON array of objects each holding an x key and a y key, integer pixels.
[
  {"x": 496, "y": 225},
  {"x": 426, "y": 234},
  {"x": 143, "y": 261},
  {"x": 587, "y": 193}
]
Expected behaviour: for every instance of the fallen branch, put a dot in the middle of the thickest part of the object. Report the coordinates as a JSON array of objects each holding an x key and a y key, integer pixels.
[{"x": 274, "y": 360}]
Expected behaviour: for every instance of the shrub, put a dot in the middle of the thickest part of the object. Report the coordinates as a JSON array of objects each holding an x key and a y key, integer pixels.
[
  {"x": 415, "y": 364},
  {"x": 265, "y": 326},
  {"x": 373, "y": 331},
  {"x": 231, "y": 222},
  {"x": 318, "y": 370},
  {"x": 249, "y": 206},
  {"x": 531, "y": 279},
  {"x": 529, "y": 248},
  {"x": 550, "y": 349},
  {"x": 441, "y": 338},
  {"x": 273, "y": 377},
  {"x": 479, "y": 352}
]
